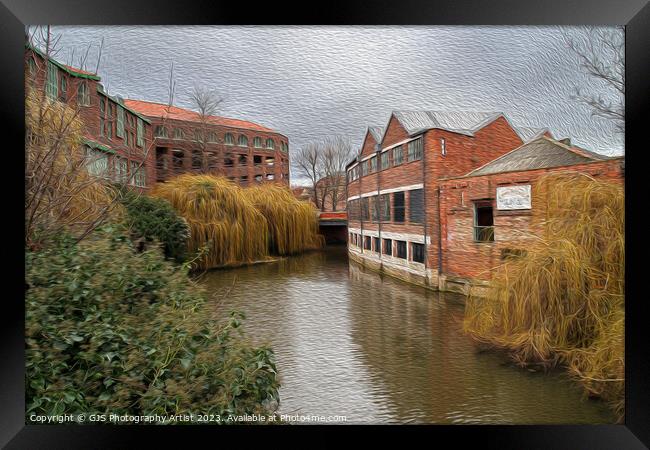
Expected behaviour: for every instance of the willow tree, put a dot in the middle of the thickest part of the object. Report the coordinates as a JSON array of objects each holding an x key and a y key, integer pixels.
[
  {"x": 222, "y": 220},
  {"x": 562, "y": 303}
]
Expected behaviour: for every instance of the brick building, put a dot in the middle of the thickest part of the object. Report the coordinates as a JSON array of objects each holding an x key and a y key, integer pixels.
[
  {"x": 117, "y": 139},
  {"x": 486, "y": 214},
  {"x": 393, "y": 186},
  {"x": 185, "y": 141},
  {"x": 140, "y": 143}
]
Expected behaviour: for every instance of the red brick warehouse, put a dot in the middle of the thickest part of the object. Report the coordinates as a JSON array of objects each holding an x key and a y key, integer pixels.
[{"x": 396, "y": 200}]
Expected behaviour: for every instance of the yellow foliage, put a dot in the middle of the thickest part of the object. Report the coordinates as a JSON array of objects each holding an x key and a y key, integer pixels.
[{"x": 563, "y": 301}]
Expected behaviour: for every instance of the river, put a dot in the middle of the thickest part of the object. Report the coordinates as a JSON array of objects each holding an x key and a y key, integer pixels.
[{"x": 350, "y": 342}]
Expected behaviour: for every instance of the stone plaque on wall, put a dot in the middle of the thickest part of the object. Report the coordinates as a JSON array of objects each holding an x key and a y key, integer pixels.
[{"x": 513, "y": 197}]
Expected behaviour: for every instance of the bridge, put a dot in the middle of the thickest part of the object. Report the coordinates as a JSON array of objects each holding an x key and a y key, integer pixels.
[{"x": 334, "y": 226}]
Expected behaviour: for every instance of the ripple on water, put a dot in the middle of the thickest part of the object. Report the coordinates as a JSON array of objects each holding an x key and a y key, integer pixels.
[{"x": 350, "y": 342}]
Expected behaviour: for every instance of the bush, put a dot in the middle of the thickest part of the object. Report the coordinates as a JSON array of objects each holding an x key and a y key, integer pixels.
[
  {"x": 154, "y": 219},
  {"x": 109, "y": 330}
]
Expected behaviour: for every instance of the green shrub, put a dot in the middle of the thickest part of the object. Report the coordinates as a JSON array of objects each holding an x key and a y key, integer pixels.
[
  {"x": 154, "y": 219},
  {"x": 109, "y": 330}
]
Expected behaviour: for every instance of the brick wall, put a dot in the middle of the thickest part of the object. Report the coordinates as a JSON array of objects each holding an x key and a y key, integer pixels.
[{"x": 512, "y": 229}]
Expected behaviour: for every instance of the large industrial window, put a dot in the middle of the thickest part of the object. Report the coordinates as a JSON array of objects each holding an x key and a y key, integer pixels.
[
  {"x": 102, "y": 116},
  {"x": 398, "y": 206},
  {"x": 365, "y": 211},
  {"x": 120, "y": 122},
  {"x": 83, "y": 97},
  {"x": 483, "y": 222},
  {"x": 96, "y": 162},
  {"x": 398, "y": 156},
  {"x": 418, "y": 252},
  {"x": 52, "y": 83},
  {"x": 377, "y": 244},
  {"x": 415, "y": 149},
  {"x": 373, "y": 164},
  {"x": 384, "y": 205},
  {"x": 400, "y": 246},
  {"x": 385, "y": 161},
  {"x": 374, "y": 208},
  {"x": 388, "y": 247},
  {"x": 140, "y": 132},
  {"x": 416, "y": 206}
]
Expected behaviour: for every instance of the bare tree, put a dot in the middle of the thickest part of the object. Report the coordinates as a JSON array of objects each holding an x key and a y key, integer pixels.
[
  {"x": 206, "y": 101},
  {"x": 336, "y": 154},
  {"x": 309, "y": 162},
  {"x": 602, "y": 55}
]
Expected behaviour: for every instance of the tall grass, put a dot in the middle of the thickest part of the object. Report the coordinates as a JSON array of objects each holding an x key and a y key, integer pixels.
[
  {"x": 236, "y": 225},
  {"x": 563, "y": 302},
  {"x": 292, "y": 224}
]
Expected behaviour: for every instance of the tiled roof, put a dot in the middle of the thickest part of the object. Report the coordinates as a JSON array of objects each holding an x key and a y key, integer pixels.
[
  {"x": 463, "y": 122},
  {"x": 152, "y": 109},
  {"x": 541, "y": 153},
  {"x": 528, "y": 134}
]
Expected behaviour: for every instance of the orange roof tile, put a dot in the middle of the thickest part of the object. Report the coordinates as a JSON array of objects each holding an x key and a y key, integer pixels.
[
  {"x": 152, "y": 109},
  {"x": 77, "y": 70}
]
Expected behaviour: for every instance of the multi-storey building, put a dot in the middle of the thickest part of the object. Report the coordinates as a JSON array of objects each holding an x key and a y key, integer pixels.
[
  {"x": 186, "y": 141},
  {"x": 393, "y": 185},
  {"x": 117, "y": 140},
  {"x": 141, "y": 143}
]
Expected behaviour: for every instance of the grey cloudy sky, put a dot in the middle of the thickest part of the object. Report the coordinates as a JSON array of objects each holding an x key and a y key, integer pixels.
[{"x": 311, "y": 82}]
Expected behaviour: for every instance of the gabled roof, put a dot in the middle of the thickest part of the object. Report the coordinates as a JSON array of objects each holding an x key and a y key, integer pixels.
[
  {"x": 541, "y": 153},
  {"x": 462, "y": 122},
  {"x": 528, "y": 134},
  {"x": 377, "y": 133},
  {"x": 161, "y": 110}
]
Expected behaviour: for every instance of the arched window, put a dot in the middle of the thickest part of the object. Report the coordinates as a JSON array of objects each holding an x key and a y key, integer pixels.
[
  {"x": 161, "y": 131},
  {"x": 212, "y": 137},
  {"x": 257, "y": 142},
  {"x": 242, "y": 141},
  {"x": 228, "y": 139},
  {"x": 284, "y": 146},
  {"x": 270, "y": 144},
  {"x": 178, "y": 133}
]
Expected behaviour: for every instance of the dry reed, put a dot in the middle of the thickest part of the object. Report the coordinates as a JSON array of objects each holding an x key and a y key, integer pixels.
[{"x": 563, "y": 301}]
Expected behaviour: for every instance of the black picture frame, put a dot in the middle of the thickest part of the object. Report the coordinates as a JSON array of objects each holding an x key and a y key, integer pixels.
[{"x": 634, "y": 14}]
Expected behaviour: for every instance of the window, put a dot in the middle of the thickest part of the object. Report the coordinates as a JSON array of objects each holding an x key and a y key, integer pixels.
[
  {"x": 364, "y": 168},
  {"x": 197, "y": 159},
  {"x": 121, "y": 168},
  {"x": 64, "y": 88},
  {"x": 285, "y": 147},
  {"x": 385, "y": 161},
  {"x": 400, "y": 247},
  {"x": 365, "y": 212},
  {"x": 415, "y": 149},
  {"x": 212, "y": 160},
  {"x": 243, "y": 160},
  {"x": 257, "y": 160},
  {"x": 388, "y": 247},
  {"x": 377, "y": 244},
  {"x": 212, "y": 137},
  {"x": 374, "y": 205},
  {"x": 270, "y": 144},
  {"x": 198, "y": 135},
  {"x": 398, "y": 207},
  {"x": 270, "y": 176},
  {"x": 416, "y": 206},
  {"x": 52, "y": 82},
  {"x": 373, "y": 164},
  {"x": 161, "y": 131},
  {"x": 418, "y": 252},
  {"x": 137, "y": 174},
  {"x": 384, "y": 207},
  {"x": 257, "y": 142},
  {"x": 366, "y": 242},
  {"x": 258, "y": 177},
  {"x": 228, "y": 139},
  {"x": 242, "y": 141},
  {"x": 178, "y": 133},
  {"x": 443, "y": 148},
  {"x": 398, "y": 156},
  {"x": 31, "y": 67},
  {"x": 83, "y": 96},
  {"x": 110, "y": 119},
  {"x": 483, "y": 222},
  {"x": 140, "y": 132},
  {"x": 243, "y": 179},
  {"x": 228, "y": 162},
  {"x": 178, "y": 157},
  {"x": 269, "y": 160},
  {"x": 120, "y": 122},
  {"x": 96, "y": 162},
  {"x": 102, "y": 116}
]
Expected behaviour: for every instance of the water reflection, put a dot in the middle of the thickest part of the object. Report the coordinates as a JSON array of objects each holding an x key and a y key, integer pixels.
[{"x": 351, "y": 342}]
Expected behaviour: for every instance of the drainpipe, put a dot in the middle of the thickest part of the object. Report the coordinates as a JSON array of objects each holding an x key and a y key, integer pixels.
[
  {"x": 424, "y": 205},
  {"x": 439, "y": 236},
  {"x": 377, "y": 204},
  {"x": 361, "y": 175}
]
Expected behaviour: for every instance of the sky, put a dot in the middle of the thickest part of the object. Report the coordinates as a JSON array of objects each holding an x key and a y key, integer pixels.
[{"x": 312, "y": 82}]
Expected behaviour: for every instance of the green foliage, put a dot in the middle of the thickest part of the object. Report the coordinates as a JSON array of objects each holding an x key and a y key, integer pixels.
[
  {"x": 109, "y": 330},
  {"x": 154, "y": 219}
]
